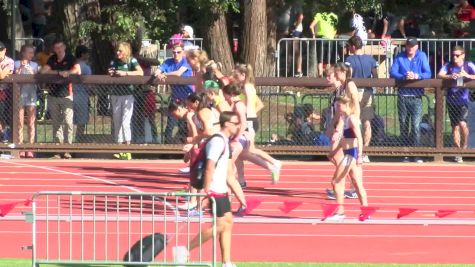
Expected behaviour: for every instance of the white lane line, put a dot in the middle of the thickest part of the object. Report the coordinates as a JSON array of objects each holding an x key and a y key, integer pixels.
[
  {"x": 49, "y": 179},
  {"x": 330, "y": 169},
  {"x": 131, "y": 188},
  {"x": 281, "y": 235}
]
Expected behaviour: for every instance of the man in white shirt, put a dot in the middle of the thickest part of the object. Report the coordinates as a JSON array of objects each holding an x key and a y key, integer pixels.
[{"x": 219, "y": 178}]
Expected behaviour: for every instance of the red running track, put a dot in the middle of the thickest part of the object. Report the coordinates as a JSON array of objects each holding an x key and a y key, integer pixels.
[{"x": 268, "y": 234}]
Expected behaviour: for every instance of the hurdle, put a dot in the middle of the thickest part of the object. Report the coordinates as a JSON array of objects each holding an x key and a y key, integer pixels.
[{"x": 99, "y": 228}]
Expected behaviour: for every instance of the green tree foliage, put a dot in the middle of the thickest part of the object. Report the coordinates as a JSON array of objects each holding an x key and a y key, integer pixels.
[{"x": 121, "y": 20}]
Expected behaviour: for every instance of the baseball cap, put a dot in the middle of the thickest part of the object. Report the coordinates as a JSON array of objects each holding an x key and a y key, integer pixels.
[
  {"x": 411, "y": 41},
  {"x": 2, "y": 45}
]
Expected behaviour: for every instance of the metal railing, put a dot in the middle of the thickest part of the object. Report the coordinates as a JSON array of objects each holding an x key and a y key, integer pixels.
[
  {"x": 161, "y": 51},
  {"x": 100, "y": 228},
  {"x": 285, "y": 126},
  {"x": 307, "y": 52}
]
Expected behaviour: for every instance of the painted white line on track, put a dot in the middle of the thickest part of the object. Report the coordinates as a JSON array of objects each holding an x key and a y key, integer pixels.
[{"x": 131, "y": 188}]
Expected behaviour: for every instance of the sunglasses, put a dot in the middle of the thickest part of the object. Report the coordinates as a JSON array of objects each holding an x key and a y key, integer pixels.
[
  {"x": 235, "y": 123},
  {"x": 176, "y": 52},
  {"x": 456, "y": 55}
]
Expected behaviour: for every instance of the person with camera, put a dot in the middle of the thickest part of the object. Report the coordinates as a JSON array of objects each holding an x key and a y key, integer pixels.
[{"x": 122, "y": 98}]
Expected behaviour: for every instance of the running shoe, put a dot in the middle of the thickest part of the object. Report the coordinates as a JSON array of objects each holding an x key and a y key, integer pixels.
[
  {"x": 330, "y": 194},
  {"x": 195, "y": 213},
  {"x": 123, "y": 156},
  {"x": 351, "y": 194},
  {"x": 361, "y": 218},
  {"x": 184, "y": 170},
  {"x": 187, "y": 206},
  {"x": 298, "y": 75},
  {"x": 458, "y": 159},
  {"x": 67, "y": 155},
  {"x": 276, "y": 171},
  {"x": 241, "y": 212},
  {"x": 30, "y": 154},
  {"x": 366, "y": 159},
  {"x": 348, "y": 194},
  {"x": 336, "y": 218}
]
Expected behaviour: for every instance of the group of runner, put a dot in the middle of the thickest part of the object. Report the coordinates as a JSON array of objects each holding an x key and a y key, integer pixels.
[{"x": 223, "y": 112}]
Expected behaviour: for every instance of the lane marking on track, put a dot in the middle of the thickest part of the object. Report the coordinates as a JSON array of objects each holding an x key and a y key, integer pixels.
[{"x": 131, "y": 188}]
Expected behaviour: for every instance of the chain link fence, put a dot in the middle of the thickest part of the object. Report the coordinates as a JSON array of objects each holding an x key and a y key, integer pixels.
[{"x": 292, "y": 116}]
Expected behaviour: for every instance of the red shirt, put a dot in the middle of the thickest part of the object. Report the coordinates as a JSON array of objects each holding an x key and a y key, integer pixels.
[{"x": 466, "y": 13}]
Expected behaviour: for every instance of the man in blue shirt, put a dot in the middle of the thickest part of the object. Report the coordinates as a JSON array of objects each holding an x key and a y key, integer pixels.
[
  {"x": 363, "y": 66},
  {"x": 457, "y": 98},
  {"x": 176, "y": 66},
  {"x": 411, "y": 64}
]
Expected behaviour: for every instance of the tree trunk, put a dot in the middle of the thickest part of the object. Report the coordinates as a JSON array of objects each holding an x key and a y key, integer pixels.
[
  {"x": 254, "y": 41},
  {"x": 102, "y": 51},
  {"x": 65, "y": 21},
  {"x": 217, "y": 42},
  {"x": 274, "y": 8}
]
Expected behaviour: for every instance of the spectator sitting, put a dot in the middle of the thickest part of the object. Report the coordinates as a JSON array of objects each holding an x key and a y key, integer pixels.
[{"x": 302, "y": 124}]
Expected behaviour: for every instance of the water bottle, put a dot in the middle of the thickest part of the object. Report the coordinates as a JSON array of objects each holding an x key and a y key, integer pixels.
[{"x": 460, "y": 81}]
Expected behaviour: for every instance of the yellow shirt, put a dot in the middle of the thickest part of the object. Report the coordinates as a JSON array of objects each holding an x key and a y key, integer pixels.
[{"x": 326, "y": 24}]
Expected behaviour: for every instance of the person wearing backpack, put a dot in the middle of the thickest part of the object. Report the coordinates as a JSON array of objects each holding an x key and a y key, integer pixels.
[
  {"x": 218, "y": 178},
  {"x": 458, "y": 97}
]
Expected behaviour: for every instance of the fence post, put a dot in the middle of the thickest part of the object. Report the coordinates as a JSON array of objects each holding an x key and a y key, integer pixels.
[
  {"x": 15, "y": 118},
  {"x": 439, "y": 122}
]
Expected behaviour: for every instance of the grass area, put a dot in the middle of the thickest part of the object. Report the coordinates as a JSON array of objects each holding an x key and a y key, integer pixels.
[{"x": 27, "y": 263}]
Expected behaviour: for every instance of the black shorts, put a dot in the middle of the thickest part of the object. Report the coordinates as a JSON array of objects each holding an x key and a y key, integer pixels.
[
  {"x": 325, "y": 52},
  {"x": 255, "y": 123},
  {"x": 457, "y": 113},
  {"x": 223, "y": 205}
]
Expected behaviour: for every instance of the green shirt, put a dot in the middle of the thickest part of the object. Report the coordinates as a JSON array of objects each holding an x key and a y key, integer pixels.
[
  {"x": 326, "y": 24},
  {"x": 131, "y": 65}
]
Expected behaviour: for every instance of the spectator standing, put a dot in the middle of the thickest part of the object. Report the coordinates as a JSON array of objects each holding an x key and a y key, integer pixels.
[
  {"x": 457, "y": 98},
  {"x": 122, "y": 99},
  {"x": 324, "y": 26},
  {"x": 60, "y": 100},
  {"x": 6, "y": 68},
  {"x": 363, "y": 66},
  {"x": 297, "y": 32},
  {"x": 28, "y": 96},
  {"x": 465, "y": 13},
  {"x": 38, "y": 21},
  {"x": 81, "y": 94},
  {"x": 411, "y": 64},
  {"x": 176, "y": 66},
  {"x": 187, "y": 34},
  {"x": 408, "y": 27}
]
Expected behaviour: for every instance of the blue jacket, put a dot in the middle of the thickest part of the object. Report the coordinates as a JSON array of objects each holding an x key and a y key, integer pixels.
[{"x": 419, "y": 65}]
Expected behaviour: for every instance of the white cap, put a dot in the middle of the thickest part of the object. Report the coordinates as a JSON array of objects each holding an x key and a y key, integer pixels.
[{"x": 189, "y": 30}]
